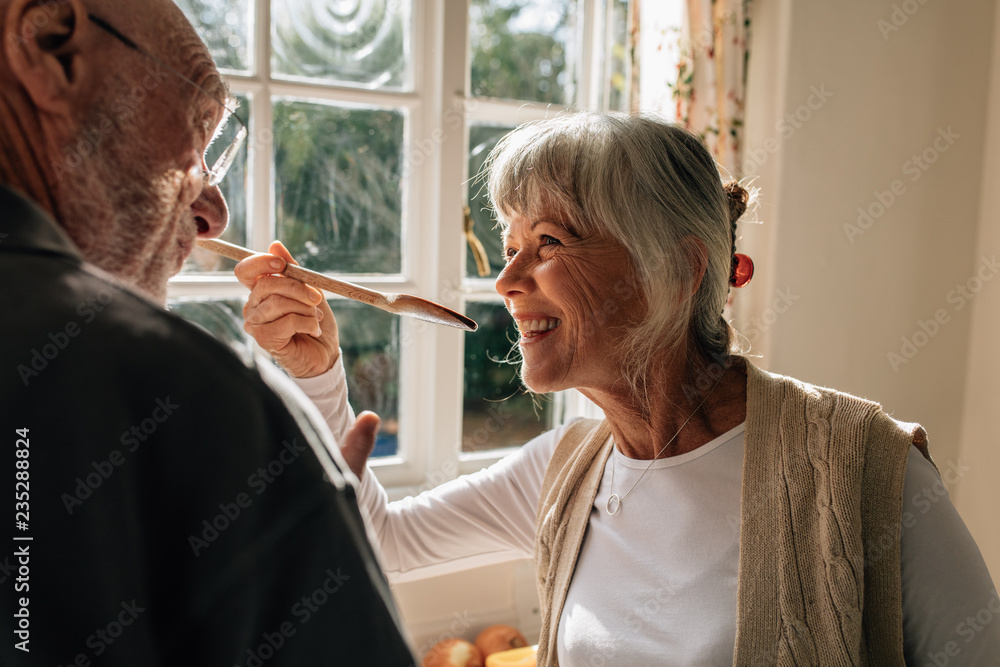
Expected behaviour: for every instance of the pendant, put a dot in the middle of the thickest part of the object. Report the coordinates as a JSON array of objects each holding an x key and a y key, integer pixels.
[{"x": 614, "y": 504}]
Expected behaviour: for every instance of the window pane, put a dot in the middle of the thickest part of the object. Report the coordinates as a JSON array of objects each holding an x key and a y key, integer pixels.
[
  {"x": 234, "y": 189},
  {"x": 498, "y": 410},
  {"x": 369, "y": 339},
  {"x": 355, "y": 42},
  {"x": 482, "y": 139},
  {"x": 338, "y": 195},
  {"x": 660, "y": 55},
  {"x": 224, "y": 26},
  {"x": 223, "y": 318},
  {"x": 524, "y": 49}
]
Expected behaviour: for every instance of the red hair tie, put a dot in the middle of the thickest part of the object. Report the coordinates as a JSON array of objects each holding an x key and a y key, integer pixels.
[{"x": 742, "y": 270}]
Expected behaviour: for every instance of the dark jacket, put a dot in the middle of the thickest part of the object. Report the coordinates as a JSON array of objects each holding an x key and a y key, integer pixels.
[{"x": 176, "y": 511}]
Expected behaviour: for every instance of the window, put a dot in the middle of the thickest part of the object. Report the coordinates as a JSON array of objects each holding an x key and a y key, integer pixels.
[{"x": 362, "y": 144}]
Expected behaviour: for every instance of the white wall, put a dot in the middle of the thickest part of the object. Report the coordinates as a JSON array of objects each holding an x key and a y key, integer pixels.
[
  {"x": 979, "y": 444},
  {"x": 848, "y": 292}
]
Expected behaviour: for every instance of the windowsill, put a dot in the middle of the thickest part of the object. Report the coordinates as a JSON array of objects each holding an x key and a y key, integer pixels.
[{"x": 459, "y": 565}]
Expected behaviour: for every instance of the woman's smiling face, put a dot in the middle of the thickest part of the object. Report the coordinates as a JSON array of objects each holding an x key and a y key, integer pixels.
[{"x": 572, "y": 297}]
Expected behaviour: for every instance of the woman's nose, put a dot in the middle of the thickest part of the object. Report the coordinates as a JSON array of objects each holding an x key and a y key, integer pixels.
[
  {"x": 515, "y": 278},
  {"x": 210, "y": 212}
]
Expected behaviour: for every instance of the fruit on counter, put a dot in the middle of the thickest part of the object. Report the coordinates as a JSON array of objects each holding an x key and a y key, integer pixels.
[
  {"x": 498, "y": 638},
  {"x": 516, "y": 657},
  {"x": 453, "y": 653}
]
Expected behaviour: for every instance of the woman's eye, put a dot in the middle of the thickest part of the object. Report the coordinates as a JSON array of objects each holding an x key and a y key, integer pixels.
[
  {"x": 549, "y": 240},
  {"x": 508, "y": 254}
]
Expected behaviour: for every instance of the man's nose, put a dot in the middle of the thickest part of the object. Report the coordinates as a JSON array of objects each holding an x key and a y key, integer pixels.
[{"x": 210, "y": 212}]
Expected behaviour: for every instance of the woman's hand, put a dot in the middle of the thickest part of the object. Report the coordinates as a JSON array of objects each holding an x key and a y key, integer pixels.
[
  {"x": 360, "y": 442},
  {"x": 289, "y": 319}
]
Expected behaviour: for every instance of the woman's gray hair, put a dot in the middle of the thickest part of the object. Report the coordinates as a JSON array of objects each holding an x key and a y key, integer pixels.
[{"x": 648, "y": 184}]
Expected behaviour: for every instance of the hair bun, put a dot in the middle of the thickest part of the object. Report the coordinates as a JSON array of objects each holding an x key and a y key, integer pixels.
[{"x": 738, "y": 199}]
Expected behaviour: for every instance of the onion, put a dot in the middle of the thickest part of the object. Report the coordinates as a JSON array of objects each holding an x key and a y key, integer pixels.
[{"x": 453, "y": 653}]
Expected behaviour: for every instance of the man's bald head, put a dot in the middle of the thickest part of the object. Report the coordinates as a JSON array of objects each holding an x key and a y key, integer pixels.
[{"x": 108, "y": 137}]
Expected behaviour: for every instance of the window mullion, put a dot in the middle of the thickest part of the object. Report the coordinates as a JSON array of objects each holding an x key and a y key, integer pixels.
[
  {"x": 513, "y": 112},
  {"x": 587, "y": 91},
  {"x": 262, "y": 146},
  {"x": 262, "y": 40},
  {"x": 342, "y": 94},
  {"x": 450, "y": 136}
]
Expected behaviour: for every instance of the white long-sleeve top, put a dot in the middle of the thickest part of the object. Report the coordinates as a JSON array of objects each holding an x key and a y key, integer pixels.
[{"x": 656, "y": 583}]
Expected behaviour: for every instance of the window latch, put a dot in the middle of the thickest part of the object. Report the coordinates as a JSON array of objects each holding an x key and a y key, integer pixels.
[{"x": 478, "y": 251}]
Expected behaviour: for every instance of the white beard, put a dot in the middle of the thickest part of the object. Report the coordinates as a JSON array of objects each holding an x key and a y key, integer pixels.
[{"x": 118, "y": 210}]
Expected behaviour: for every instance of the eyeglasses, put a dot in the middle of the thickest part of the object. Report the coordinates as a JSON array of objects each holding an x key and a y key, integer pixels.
[{"x": 222, "y": 163}]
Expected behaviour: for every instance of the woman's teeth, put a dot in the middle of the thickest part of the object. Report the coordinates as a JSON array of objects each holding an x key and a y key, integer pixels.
[{"x": 530, "y": 328}]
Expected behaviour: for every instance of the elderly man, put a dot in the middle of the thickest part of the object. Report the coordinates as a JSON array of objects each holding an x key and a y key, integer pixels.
[{"x": 166, "y": 506}]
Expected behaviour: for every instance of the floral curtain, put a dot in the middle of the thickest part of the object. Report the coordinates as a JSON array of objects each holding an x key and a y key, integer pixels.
[{"x": 711, "y": 76}]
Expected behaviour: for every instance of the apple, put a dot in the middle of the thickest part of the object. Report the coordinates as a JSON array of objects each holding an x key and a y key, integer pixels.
[{"x": 498, "y": 638}]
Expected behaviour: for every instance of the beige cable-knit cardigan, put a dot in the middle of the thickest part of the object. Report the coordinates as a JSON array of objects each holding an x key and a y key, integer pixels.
[{"x": 822, "y": 495}]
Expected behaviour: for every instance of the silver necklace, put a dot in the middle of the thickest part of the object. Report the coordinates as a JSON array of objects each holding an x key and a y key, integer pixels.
[{"x": 614, "y": 502}]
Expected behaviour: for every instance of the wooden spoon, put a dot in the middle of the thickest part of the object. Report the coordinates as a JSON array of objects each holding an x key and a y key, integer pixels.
[{"x": 400, "y": 304}]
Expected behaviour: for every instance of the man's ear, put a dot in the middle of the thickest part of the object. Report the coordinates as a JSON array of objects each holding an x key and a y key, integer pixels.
[{"x": 42, "y": 42}]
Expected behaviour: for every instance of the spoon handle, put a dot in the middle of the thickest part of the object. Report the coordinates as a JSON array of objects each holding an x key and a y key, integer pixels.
[{"x": 399, "y": 304}]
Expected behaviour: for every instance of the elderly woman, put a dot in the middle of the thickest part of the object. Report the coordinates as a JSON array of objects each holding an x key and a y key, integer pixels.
[{"x": 719, "y": 514}]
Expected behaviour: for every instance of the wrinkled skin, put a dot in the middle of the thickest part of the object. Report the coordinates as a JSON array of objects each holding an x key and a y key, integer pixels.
[
  {"x": 588, "y": 284},
  {"x": 118, "y": 140}
]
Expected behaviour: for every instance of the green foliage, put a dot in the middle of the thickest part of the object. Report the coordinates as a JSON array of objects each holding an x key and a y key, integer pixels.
[
  {"x": 520, "y": 65},
  {"x": 370, "y": 342},
  {"x": 494, "y": 341},
  {"x": 499, "y": 412},
  {"x": 337, "y": 185}
]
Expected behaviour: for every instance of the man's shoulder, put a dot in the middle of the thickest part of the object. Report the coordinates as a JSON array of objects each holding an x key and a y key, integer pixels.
[
  {"x": 97, "y": 301},
  {"x": 104, "y": 357},
  {"x": 75, "y": 318}
]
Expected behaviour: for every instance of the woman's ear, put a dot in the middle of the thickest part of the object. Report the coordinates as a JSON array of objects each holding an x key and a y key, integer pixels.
[
  {"x": 43, "y": 46},
  {"x": 697, "y": 255}
]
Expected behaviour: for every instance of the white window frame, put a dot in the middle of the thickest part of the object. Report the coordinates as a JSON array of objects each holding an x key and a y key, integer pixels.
[{"x": 438, "y": 112}]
